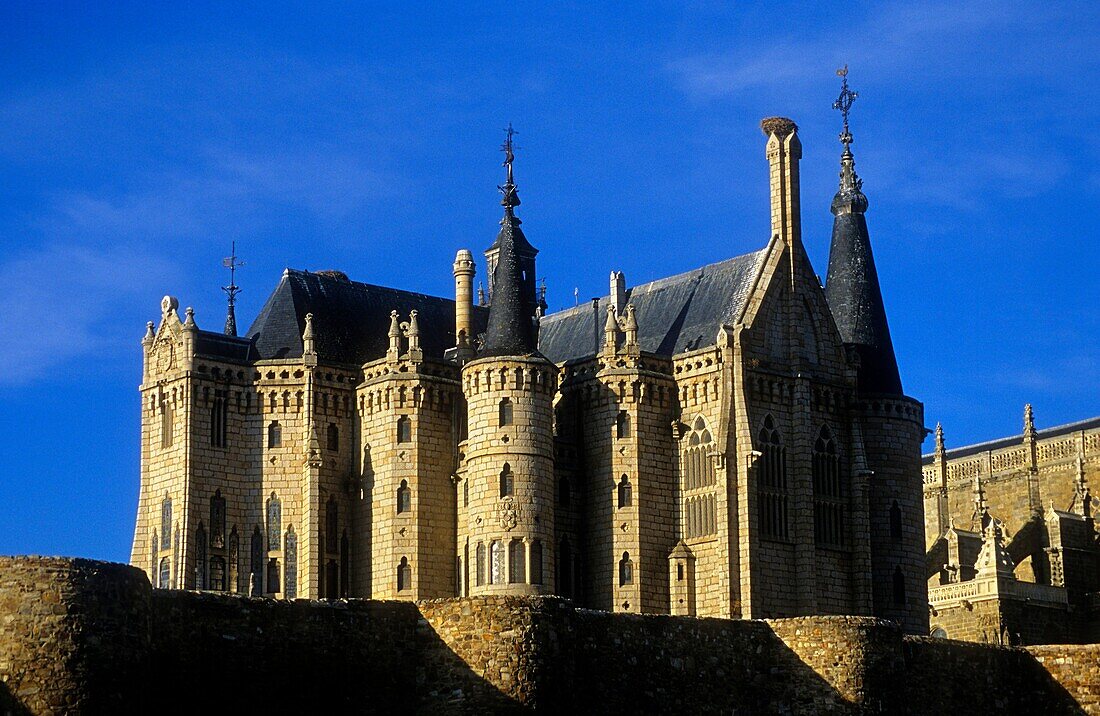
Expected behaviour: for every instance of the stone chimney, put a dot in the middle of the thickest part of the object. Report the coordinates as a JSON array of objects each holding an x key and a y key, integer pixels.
[
  {"x": 464, "y": 271},
  {"x": 618, "y": 292},
  {"x": 784, "y": 151}
]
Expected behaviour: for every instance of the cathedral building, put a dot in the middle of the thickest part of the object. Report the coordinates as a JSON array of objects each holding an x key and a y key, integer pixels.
[{"x": 731, "y": 441}]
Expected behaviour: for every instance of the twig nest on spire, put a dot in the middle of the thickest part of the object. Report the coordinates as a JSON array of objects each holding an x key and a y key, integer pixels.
[{"x": 779, "y": 126}]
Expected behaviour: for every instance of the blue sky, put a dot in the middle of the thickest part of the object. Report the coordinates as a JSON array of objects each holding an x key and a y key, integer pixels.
[{"x": 137, "y": 141}]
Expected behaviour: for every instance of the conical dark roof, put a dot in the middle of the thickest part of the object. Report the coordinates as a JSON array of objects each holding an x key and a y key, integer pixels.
[
  {"x": 852, "y": 287},
  {"x": 511, "y": 330}
]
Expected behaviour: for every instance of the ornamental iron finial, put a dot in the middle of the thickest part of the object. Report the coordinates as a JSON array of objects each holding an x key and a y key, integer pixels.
[
  {"x": 232, "y": 263},
  {"x": 844, "y": 104},
  {"x": 511, "y": 198}
]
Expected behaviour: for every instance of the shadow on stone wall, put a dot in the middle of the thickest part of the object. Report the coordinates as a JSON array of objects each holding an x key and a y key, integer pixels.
[{"x": 91, "y": 637}]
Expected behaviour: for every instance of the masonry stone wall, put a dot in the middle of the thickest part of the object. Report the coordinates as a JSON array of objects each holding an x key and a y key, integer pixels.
[{"x": 90, "y": 637}]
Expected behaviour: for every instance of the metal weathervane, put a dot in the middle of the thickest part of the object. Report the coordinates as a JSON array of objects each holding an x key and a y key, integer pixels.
[
  {"x": 232, "y": 263},
  {"x": 844, "y": 103}
]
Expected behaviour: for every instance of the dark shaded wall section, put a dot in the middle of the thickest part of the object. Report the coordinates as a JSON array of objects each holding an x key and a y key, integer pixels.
[{"x": 85, "y": 637}]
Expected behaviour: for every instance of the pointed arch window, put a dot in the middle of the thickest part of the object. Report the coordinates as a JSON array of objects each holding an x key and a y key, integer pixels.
[
  {"x": 465, "y": 492},
  {"x": 333, "y": 437},
  {"x": 479, "y": 577},
  {"x": 536, "y": 562},
  {"x": 217, "y": 520},
  {"x": 404, "y": 497},
  {"x": 404, "y": 429},
  {"x": 345, "y": 564},
  {"x": 626, "y": 492},
  {"x": 828, "y": 491},
  {"x": 164, "y": 578},
  {"x": 505, "y": 412},
  {"x": 290, "y": 554},
  {"x": 895, "y": 521},
  {"x": 219, "y": 417},
  {"x": 166, "y": 423},
  {"x": 497, "y": 563},
  {"x": 772, "y": 482},
  {"x": 234, "y": 561},
  {"x": 699, "y": 482},
  {"x": 507, "y": 481},
  {"x": 166, "y": 523},
  {"x": 200, "y": 557},
  {"x": 517, "y": 562},
  {"x": 626, "y": 570},
  {"x": 622, "y": 424},
  {"x": 274, "y": 522},
  {"x": 404, "y": 575},
  {"x": 274, "y": 434}
]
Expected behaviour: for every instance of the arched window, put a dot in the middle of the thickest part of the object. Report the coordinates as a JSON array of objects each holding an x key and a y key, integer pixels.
[
  {"x": 536, "y": 562},
  {"x": 333, "y": 437},
  {"x": 290, "y": 554},
  {"x": 274, "y": 522},
  {"x": 404, "y": 429},
  {"x": 479, "y": 577},
  {"x": 626, "y": 496},
  {"x": 256, "y": 564},
  {"x": 895, "y": 521},
  {"x": 517, "y": 562},
  {"x": 465, "y": 492},
  {"x": 772, "y": 482},
  {"x": 828, "y": 491},
  {"x": 404, "y": 497},
  {"x": 505, "y": 411},
  {"x": 497, "y": 565},
  {"x": 164, "y": 579},
  {"x": 899, "y": 587},
  {"x": 565, "y": 568},
  {"x": 219, "y": 416},
  {"x": 626, "y": 570},
  {"x": 274, "y": 434},
  {"x": 154, "y": 563},
  {"x": 217, "y": 520},
  {"x": 939, "y": 633},
  {"x": 273, "y": 580},
  {"x": 622, "y": 424},
  {"x": 565, "y": 492},
  {"x": 404, "y": 575},
  {"x": 699, "y": 482},
  {"x": 166, "y": 426},
  {"x": 507, "y": 481},
  {"x": 166, "y": 523},
  {"x": 217, "y": 574},
  {"x": 200, "y": 557}
]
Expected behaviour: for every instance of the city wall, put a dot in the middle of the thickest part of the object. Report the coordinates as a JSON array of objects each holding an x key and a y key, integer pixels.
[{"x": 90, "y": 637}]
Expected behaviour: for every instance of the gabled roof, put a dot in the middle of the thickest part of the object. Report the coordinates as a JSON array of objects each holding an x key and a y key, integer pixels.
[
  {"x": 675, "y": 314},
  {"x": 350, "y": 319}
]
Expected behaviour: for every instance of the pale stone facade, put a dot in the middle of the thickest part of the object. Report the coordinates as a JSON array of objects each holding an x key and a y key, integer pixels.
[
  {"x": 1013, "y": 552},
  {"x": 709, "y": 444}
]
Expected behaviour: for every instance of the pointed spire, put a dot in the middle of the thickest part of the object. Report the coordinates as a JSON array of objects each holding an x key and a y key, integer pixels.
[
  {"x": 189, "y": 322},
  {"x": 852, "y": 287},
  {"x": 994, "y": 559},
  {"x": 1082, "y": 498},
  {"x": 941, "y": 449},
  {"x": 512, "y": 314},
  {"x": 307, "y": 334},
  {"x": 981, "y": 507},
  {"x": 610, "y": 330},
  {"x": 232, "y": 263},
  {"x": 149, "y": 334},
  {"x": 1029, "y": 421},
  {"x": 630, "y": 326}
]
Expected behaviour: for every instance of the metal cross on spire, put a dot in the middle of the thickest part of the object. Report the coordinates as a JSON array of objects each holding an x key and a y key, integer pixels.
[
  {"x": 232, "y": 263},
  {"x": 844, "y": 104},
  {"x": 511, "y": 198}
]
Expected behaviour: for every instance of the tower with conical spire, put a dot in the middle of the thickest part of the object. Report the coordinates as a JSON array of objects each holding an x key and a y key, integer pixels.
[
  {"x": 506, "y": 483},
  {"x": 852, "y": 287}
]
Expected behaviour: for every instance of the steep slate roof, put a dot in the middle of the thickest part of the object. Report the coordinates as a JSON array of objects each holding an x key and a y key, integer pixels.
[
  {"x": 675, "y": 314},
  {"x": 219, "y": 345},
  {"x": 510, "y": 331},
  {"x": 351, "y": 320}
]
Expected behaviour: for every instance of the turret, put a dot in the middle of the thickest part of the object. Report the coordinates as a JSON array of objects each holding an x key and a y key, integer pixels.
[
  {"x": 464, "y": 271},
  {"x": 506, "y": 503},
  {"x": 852, "y": 287}
]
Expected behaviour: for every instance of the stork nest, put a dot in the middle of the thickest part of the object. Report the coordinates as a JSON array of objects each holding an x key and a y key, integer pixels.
[{"x": 779, "y": 126}]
